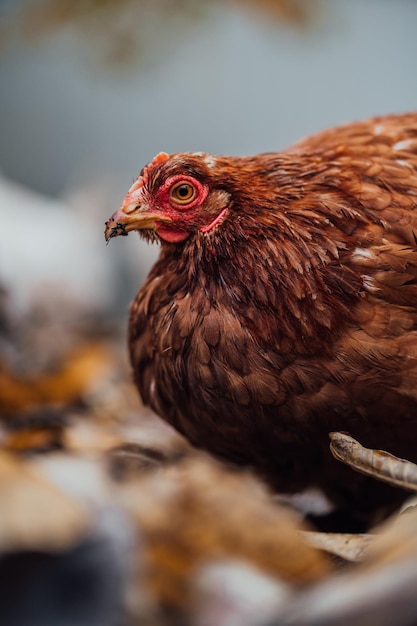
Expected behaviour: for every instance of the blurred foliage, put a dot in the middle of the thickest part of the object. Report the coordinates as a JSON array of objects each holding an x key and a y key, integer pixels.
[{"x": 123, "y": 30}]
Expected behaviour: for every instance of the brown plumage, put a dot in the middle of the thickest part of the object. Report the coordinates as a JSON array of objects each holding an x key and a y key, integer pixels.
[{"x": 284, "y": 302}]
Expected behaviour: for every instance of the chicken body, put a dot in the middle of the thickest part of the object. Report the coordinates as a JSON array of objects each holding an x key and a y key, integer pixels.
[{"x": 284, "y": 303}]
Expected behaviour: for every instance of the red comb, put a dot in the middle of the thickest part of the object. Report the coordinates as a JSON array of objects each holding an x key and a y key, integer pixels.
[
  {"x": 161, "y": 157},
  {"x": 143, "y": 180}
]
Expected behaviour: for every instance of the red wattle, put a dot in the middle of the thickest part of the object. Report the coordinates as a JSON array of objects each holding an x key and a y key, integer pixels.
[{"x": 169, "y": 233}]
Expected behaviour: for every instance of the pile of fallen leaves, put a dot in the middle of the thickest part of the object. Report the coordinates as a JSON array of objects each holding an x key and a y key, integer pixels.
[{"x": 108, "y": 517}]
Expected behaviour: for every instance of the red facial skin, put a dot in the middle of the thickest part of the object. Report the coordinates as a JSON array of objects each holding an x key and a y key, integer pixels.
[
  {"x": 181, "y": 214},
  {"x": 147, "y": 206}
]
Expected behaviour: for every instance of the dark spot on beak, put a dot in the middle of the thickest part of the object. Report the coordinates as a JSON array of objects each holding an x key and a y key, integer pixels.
[{"x": 118, "y": 229}]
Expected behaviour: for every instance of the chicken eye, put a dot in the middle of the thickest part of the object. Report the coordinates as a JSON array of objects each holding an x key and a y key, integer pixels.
[{"x": 183, "y": 193}]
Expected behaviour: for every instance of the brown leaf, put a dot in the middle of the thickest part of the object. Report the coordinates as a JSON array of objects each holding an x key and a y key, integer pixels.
[
  {"x": 376, "y": 463},
  {"x": 198, "y": 511},
  {"x": 33, "y": 439},
  {"x": 63, "y": 387}
]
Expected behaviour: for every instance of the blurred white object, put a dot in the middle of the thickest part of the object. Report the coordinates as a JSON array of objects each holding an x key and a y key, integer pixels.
[
  {"x": 233, "y": 593},
  {"x": 54, "y": 248}
]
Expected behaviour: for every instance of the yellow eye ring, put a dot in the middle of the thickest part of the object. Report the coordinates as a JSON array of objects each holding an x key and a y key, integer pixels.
[{"x": 183, "y": 192}]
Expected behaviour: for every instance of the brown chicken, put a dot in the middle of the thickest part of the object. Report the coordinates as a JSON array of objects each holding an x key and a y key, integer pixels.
[{"x": 284, "y": 303}]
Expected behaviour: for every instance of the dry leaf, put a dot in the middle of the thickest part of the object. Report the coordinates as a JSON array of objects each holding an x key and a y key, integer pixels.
[
  {"x": 35, "y": 514},
  {"x": 344, "y": 545},
  {"x": 64, "y": 387},
  {"x": 33, "y": 439},
  {"x": 376, "y": 463},
  {"x": 197, "y": 511}
]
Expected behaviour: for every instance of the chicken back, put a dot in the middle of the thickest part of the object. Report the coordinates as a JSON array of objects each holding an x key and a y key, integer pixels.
[{"x": 284, "y": 303}]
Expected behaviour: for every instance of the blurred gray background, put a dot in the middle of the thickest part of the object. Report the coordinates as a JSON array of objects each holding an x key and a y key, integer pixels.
[{"x": 78, "y": 120}]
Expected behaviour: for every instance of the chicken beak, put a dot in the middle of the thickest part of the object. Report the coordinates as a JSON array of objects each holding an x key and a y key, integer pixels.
[{"x": 131, "y": 216}]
